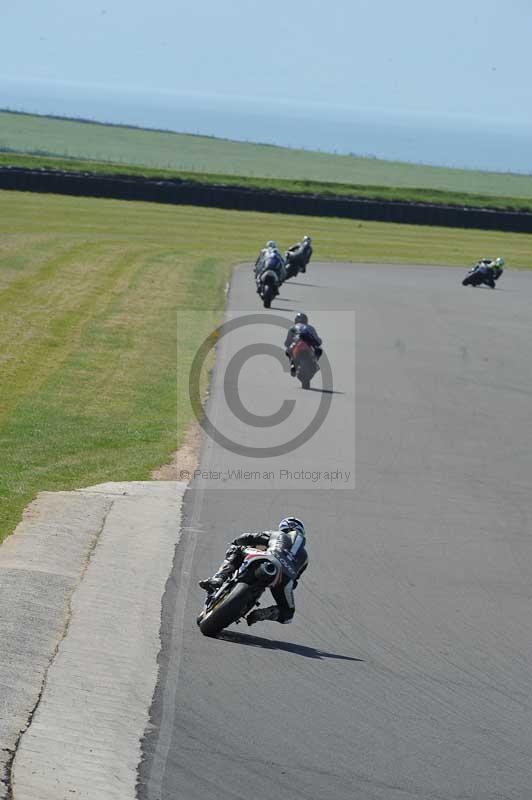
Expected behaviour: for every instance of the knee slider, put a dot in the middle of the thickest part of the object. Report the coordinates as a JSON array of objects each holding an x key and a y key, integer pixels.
[{"x": 286, "y": 617}]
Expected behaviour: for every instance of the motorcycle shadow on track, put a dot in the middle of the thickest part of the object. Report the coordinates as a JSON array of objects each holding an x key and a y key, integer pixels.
[
  {"x": 273, "y": 644},
  {"x": 498, "y": 288},
  {"x": 324, "y": 391}
]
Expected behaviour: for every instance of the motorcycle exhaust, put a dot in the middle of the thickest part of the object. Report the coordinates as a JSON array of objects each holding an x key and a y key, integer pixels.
[{"x": 267, "y": 571}]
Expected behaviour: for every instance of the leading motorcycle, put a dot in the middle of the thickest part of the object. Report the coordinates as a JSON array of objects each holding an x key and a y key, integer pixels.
[
  {"x": 296, "y": 259},
  {"x": 237, "y": 596},
  {"x": 482, "y": 273}
]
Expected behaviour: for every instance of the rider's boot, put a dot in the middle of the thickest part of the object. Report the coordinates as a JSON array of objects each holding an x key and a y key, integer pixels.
[{"x": 211, "y": 585}]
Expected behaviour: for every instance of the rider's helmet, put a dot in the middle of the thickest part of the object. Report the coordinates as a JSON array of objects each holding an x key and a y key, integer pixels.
[
  {"x": 301, "y": 317},
  {"x": 271, "y": 245},
  {"x": 499, "y": 262},
  {"x": 304, "y": 334},
  {"x": 292, "y": 524},
  {"x": 307, "y": 239}
]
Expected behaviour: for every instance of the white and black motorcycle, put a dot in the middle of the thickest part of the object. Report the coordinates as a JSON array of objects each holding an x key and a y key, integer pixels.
[
  {"x": 238, "y": 595},
  {"x": 269, "y": 275},
  {"x": 485, "y": 271},
  {"x": 268, "y": 286}
]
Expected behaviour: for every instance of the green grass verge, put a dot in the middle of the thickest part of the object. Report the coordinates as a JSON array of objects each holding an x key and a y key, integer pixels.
[
  {"x": 90, "y": 295},
  {"x": 183, "y": 153}
]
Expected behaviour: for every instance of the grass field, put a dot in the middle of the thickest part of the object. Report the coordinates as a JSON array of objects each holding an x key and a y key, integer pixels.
[
  {"x": 199, "y": 154},
  {"x": 298, "y": 186},
  {"x": 90, "y": 293}
]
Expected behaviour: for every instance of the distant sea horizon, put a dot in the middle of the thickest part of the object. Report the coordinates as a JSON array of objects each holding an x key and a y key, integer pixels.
[{"x": 437, "y": 140}]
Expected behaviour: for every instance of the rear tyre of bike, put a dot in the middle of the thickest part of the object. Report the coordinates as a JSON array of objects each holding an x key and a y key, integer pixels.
[
  {"x": 267, "y": 295},
  {"x": 305, "y": 371},
  {"x": 237, "y": 603},
  {"x": 304, "y": 376}
]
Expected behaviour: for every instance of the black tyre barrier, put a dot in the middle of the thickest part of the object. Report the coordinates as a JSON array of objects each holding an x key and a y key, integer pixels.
[{"x": 127, "y": 187}]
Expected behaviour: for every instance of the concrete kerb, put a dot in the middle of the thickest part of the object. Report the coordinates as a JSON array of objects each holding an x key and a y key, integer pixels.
[{"x": 81, "y": 582}]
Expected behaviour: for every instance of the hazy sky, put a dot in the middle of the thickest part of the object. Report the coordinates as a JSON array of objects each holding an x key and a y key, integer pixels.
[
  {"x": 463, "y": 56},
  {"x": 469, "y": 58}
]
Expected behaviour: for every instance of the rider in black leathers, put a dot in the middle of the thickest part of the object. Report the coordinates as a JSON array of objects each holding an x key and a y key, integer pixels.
[
  {"x": 269, "y": 259},
  {"x": 302, "y": 329},
  {"x": 492, "y": 269},
  {"x": 288, "y": 546},
  {"x": 269, "y": 252},
  {"x": 303, "y": 249}
]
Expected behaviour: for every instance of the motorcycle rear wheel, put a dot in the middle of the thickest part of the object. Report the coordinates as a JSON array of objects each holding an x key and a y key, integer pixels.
[
  {"x": 304, "y": 377},
  {"x": 267, "y": 296},
  {"x": 238, "y": 602},
  {"x": 305, "y": 372}
]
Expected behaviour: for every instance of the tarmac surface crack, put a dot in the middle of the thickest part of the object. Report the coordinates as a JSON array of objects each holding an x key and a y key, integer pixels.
[
  {"x": 5, "y": 779},
  {"x": 94, "y": 702}
]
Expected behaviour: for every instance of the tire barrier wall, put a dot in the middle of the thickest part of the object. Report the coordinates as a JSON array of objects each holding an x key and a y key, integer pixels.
[{"x": 237, "y": 198}]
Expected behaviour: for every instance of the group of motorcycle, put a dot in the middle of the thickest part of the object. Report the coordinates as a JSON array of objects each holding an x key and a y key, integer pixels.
[
  {"x": 486, "y": 271},
  {"x": 271, "y": 270},
  {"x": 259, "y": 569}
]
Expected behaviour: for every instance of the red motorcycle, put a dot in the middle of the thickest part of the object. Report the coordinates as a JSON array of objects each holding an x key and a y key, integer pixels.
[{"x": 305, "y": 362}]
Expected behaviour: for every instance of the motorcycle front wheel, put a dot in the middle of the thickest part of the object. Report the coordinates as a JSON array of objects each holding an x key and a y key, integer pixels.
[{"x": 238, "y": 602}]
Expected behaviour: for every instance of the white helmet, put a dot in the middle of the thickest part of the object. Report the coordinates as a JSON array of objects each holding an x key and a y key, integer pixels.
[
  {"x": 271, "y": 244},
  {"x": 307, "y": 239},
  {"x": 292, "y": 524},
  {"x": 499, "y": 262}
]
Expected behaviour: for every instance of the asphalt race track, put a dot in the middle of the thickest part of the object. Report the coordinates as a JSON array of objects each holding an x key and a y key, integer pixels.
[{"x": 406, "y": 672}]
